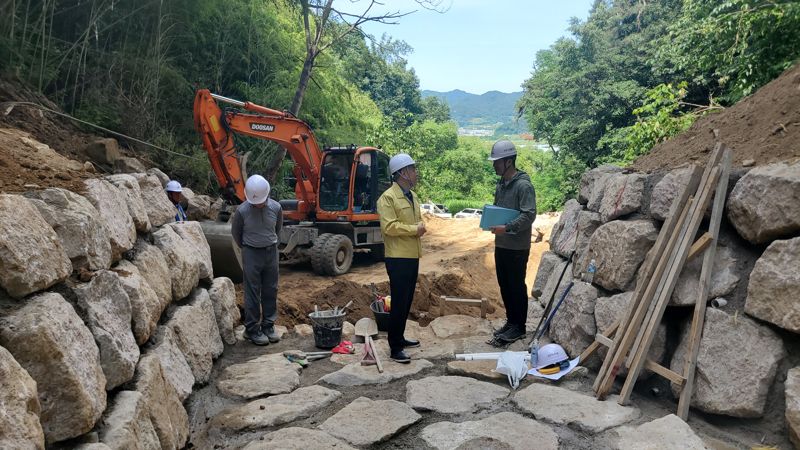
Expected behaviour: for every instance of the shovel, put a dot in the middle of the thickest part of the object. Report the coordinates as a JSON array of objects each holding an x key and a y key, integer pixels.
[{"x": 366, "y": 327}]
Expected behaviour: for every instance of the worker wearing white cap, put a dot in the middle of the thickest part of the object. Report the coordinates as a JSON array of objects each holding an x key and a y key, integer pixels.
[
  {"x": 255, "y": 227},
  {"x": 402, "y": 227},
  {"x": 174, "y": 193}
]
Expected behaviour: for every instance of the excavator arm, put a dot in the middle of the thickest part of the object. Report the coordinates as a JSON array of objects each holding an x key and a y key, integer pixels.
[{"x": 217, "y": 127}]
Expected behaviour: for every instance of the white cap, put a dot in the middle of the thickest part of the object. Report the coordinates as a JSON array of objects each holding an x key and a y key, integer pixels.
[
  {"x": 173, "y": 186},
  {"x": 502, "y": 149},
  {"x": 256, "y": 190},
  {"x": 550, "y": 354},
  {"x": 399, "y": 161}
]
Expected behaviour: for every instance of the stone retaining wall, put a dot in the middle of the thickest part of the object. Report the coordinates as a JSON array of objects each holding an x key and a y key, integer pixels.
[{"x": 109, "y": 314}]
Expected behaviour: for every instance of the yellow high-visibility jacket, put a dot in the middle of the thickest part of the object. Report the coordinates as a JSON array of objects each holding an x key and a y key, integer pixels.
[{"x": 399, "y": 221}]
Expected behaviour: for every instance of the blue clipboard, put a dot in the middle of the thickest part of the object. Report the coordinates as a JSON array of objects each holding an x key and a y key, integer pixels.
[{"x": 496, "y": 215}]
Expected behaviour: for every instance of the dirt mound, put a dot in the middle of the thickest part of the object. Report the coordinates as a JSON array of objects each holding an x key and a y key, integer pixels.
[{"x": 764, "y": 128}]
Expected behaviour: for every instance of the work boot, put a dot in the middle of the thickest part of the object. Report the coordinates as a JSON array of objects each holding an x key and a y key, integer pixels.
[
  {"x": 258, "y": 338},
  {"x": 407, "y": 343},
  {"x": 271, "y": 334},
  {"x": 514, "y": 333},
  {"x": 401, "y": 357},
  {"x": 502, "y": 329}
]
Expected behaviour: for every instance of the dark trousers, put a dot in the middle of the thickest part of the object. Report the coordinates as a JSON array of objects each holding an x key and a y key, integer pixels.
[
  {"x": 260, "y": 266},
  {"x": 402, "y": 282},
  {"x": 511, "y": 266}
]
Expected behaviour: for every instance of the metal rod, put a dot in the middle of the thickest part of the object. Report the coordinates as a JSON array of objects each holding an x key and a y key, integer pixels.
[
  {"x": 228, "y": 100},
  {"x": 487, "y": 356}
]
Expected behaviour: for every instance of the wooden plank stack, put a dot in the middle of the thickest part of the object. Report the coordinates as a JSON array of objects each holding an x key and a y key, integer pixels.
[{"x": 633, "y": 333}]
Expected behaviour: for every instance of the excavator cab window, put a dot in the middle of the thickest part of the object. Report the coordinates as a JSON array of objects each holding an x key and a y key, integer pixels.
[
  {"x": 334, "y": 183},
  {"x": 363, "y": 187},
  {"x": 382, "y": 175}
]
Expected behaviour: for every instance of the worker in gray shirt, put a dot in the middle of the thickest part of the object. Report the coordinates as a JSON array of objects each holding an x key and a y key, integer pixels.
[
  {"x": 512, "y": 242},
  {"x": 255, "y": 227}
]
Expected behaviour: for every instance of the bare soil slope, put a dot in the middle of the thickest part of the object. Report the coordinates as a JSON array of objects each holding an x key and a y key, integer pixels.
[{"x": 764, "y": 128}]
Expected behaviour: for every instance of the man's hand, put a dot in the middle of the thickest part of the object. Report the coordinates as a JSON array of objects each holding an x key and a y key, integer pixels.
[
  {"x": 498, "y": 229},
  {"x": 421, "y": 229}
]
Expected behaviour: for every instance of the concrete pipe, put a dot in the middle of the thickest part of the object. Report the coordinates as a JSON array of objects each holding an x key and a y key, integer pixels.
[{"x": 225, "y": 255}]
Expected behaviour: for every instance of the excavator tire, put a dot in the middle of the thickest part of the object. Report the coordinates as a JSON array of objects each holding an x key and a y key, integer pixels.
[
  {"x": 317, "y": 253},
  {"x": 337, "y": 255}
]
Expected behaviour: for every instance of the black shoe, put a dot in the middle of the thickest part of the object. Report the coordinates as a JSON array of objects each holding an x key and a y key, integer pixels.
[
  {"x": 514, "y": 333},
  {"x": 271, "y": 334},
  {"x": 502, "y": 329},
  {"x": 408, "y": 343},
  {"x": 259, "y": 338},
  {"x": 400, "y": 357}
]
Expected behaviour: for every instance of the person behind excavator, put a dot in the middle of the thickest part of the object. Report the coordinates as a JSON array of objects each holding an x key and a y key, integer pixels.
[
  {"x": 175, "y": 195},
  {"x": 255, "y": 227},
  {"x": 402, "y": 228},
  {"x": 512, "y": 241}
]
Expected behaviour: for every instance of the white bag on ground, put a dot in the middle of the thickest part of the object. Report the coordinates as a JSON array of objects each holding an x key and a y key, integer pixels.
[{"x": 514, "y": 365}]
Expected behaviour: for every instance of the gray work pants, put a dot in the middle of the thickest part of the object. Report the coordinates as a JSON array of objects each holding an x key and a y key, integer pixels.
[{"x": 260, "y": 287}]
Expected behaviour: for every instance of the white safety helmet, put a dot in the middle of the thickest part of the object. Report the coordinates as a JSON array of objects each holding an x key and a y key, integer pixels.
[
  {"x": 550, "y": 354},
  {"x": 256, "y": 190},
  {"x": 173, "y": 186},
  {"x": 502, "y": 149},
  {"x": 399, "y": 161}
]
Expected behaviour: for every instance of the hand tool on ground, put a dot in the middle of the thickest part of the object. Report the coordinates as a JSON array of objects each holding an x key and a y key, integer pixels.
[
  {"x": 366, "y": 327},
  {"x": 371, "y": 354},
  {"x": 534, "y": 344}
]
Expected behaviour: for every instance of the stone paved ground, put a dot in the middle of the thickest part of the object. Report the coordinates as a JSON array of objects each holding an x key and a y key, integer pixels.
[{"x": 432, "y": 403}]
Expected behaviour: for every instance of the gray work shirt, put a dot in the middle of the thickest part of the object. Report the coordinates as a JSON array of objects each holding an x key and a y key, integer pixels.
[
  {"x": 516, "y": 193},
  {"x": 257, "y": 227}
]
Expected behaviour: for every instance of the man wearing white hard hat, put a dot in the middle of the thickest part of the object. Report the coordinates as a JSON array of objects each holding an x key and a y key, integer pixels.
[
  {"x": 174, "y": 193},
  {"x": 402, "y": 227},
  {"x": 512, "y": 242},
  {"x": 255, "y": 227}
]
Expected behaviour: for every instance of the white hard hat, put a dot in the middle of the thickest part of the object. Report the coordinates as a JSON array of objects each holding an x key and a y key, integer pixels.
[
  {"x": 399, "y": 161},
  {"x": 173, "y": 186},
  {"x": 550, "y": 354},
  {"x": 256, "y": 190},
  {"x": 502, "y": 149}
]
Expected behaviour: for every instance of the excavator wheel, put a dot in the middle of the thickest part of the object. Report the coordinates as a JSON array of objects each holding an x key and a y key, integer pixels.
[
  {"x": 317, "y": 253},
  {"x": 337, "y": 255}
]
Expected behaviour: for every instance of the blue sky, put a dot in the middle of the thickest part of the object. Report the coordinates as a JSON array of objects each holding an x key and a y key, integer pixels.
[{"x": 477, "y": 45}]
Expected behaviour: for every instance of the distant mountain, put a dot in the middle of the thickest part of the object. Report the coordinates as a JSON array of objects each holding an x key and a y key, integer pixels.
[{"x": 492, "y": 109}]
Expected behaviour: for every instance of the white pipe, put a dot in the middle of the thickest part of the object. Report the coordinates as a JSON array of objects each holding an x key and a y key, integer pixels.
[
  {"x": 486, "y": 356},
  {"x": 718, "y": 302}
]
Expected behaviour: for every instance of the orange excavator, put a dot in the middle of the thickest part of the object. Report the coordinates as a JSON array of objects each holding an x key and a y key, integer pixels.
[{"x": 334, "y": 212}]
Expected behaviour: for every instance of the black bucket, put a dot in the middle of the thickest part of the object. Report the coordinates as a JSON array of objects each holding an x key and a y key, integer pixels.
[
  {"x": 381, "y": 318},
  {"x": 327, "y": 328}
]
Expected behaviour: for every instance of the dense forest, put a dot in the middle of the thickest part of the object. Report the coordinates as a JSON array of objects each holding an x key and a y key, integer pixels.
[{"x": 631, "y": 75}]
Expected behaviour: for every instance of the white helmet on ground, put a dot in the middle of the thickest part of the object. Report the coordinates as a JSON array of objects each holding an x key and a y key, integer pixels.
[
  {"x": 399, "y": 161},
  {"x": 173, "y": 186},
  {"x": 550, "y": 354},
  {"x": 502, "y": 149},
  {"x": 256, "y": 190}
]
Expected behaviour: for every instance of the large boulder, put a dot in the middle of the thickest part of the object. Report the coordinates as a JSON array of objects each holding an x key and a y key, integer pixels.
[
  {"x": 724, "y": 278},
  {"x": 176, "y": 370},
  {"x": 765, "y": 204},
  {"x": 111, "y": 203},
  {"x": 666, "y": 433},
  {"x": 588, "y": 222},
  {"x": 49, "y": 340},
  {"x": 593, "y": 184},
  {"x": 197, "y": 243},
  {"x": 619, "y": 248},
  {"x": 197, "y": 334},
  {"x": 19, "y": 420},
  {"x": 153, "y": 266},
  {"x": 562, "y": 237},
  {"x": 162, "y": 177},
  {"x": 127, "y": 164},
  {"x": 793, "y": 405},
  {"x": 623, "y": 195},
  {"x": 573, "y": 325},
  {"x": 199, "y": 207},
  {"x": 772, "y": 293},
  {"x": 182, "y": 261},
  {"x": 81, "y": 231},
  {"x": 126, "y": 424},
  {"x": 129, "y": 187},
  {"x": 552, "y": 286},
  {"x": 666, "y": 190},
  {"x": 159, "y": 209},
  {"x": 103, "y": 151},
  {"x": 106, "y": 309},
  {"x": 162, "y": 402},
  {"x": 31, "y": 255},
  {"x": 146, "y": 308},
  {"x": 609, "y": 309},
  {"x": 547, "y": 264},
  {"x": 223, "y": 297},
  {"x": 736, "y": 364}
]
